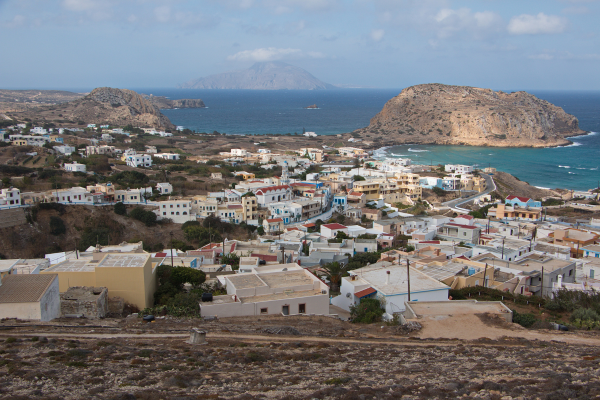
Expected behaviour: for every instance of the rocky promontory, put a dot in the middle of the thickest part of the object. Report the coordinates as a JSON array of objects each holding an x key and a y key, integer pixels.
[
  {"x": 165, "y": 103},
  {"x": 444, "y": 114}
]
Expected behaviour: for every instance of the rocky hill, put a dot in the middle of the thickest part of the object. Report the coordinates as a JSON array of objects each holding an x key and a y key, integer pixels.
[
  {"x": 443, "y": 114},
  {"x": 103, "y": 105},
  {"x": 262, "y": 76}
]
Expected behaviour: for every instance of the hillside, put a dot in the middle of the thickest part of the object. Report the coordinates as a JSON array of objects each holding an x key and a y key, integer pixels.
[
  {"x": 442, "y": 114},
  {"x": 104, "y": 105},
  {"x": 38, "y": 96},
  {"x": 261, "y": 76}
]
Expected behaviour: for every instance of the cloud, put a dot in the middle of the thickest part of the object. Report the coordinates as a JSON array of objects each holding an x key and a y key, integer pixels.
[
  {"x": 541, "y": 56},
  {"x": 289, "y": 6},
  {"x": 79, "y": 5},
  {"x": 17, "y": 21},
  {"x": 273, "y": 54},
  {"x": 162, "y": 13},
  {"x": 448, "y": 22},
  {"x": 526, "y": 24},
  {"x": 377, "y": 34}
]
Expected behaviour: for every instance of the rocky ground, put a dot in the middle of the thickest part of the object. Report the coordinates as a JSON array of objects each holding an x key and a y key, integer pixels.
[{"x": 34, "y": 364}]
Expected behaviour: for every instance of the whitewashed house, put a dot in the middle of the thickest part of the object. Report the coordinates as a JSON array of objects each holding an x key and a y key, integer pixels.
[
  {"x": 74, "y": 167},
  {"x": 164, "y": 188},
  {"x": 180, "y": 211},
  {"x": 272, "y": 194},
  {"x": 138, "y": 160}
]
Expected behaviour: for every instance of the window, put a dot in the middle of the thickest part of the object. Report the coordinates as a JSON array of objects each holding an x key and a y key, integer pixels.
[
  {"x": 570, "y": 272},
  {"x": 264, "y": 310},
  {"x": 185, "y": 213},
  {"x": 171, "y": 205},
  {"x": 301, "y": 308},
  {"x": 164, "y": 213},
  {"x": 592, "y": 273}
]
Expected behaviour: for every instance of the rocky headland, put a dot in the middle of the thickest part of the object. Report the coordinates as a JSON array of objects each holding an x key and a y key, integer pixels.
[
  {"x": 462, "y": 115},
  {"x": 164, "y": 103},
  {"x": 261, "y": 76}
]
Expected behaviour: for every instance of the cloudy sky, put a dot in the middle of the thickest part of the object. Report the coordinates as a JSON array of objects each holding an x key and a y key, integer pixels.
[{"x": 501, "y": 44}]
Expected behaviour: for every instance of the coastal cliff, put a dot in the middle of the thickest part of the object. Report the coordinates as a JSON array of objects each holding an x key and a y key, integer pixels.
[
  {"x": 443, "y": 114},
  {"x": 164, "y": 103}
]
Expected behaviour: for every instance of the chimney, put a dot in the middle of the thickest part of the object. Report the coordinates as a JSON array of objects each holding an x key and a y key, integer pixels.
[{"x": 387, "y": 277}]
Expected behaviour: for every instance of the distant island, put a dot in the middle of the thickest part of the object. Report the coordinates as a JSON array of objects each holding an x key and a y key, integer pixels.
[
  {"x": 313, "y": 107},
  {"x": 451, "y": 115},
  {"x": 261, "y": 76}
]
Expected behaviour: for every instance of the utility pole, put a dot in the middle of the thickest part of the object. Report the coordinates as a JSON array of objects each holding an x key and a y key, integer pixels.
[
  {"x": 503, "y": 247},
  {"x": 484, "y": 274},
  {"x": 542, "y": 283},
  {"x": 408, "y": 277},
  {"x": 171, "y": 233},
  {"x": 76, "y": 248}
]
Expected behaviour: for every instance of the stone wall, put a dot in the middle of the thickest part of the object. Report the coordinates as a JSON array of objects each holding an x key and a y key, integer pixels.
[{"x": 84, "y": 301}]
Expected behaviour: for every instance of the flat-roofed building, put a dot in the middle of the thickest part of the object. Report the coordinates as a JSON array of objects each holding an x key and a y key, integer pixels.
[
  {"x": 127, "y": 275},
  {"x": 388, "y": 282},
  {"x": 283, "y": 289}
]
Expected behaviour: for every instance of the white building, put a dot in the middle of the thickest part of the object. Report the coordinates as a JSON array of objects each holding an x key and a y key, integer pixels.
[
  {"x": 310, "y": 134},
  {"x": 107, "y": 138},
  {"x": 74, "y": 167},
  {"x": 38, "y": 130},
  {"x": 272, "y": 194},
  {"x": 458, "y": 168},
  {"x": 239, "y": 153},
  {"x": 180, "y": 211},
  {"x": 139, "y": 160},
  {"x": 388, "y": 282},
  {"x": 64, "y": 149},
  {"x": 167, "y": 156},
  {"x": 329, "y": 231},
  {"x": 31, "y": 140},
  {"x": 10, "y": 197},
  {"x": 164, "y": 188},
  {"x": 286, "y": 289}
]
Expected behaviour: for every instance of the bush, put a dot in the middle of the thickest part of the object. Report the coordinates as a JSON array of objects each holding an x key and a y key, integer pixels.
[
  {"x": 439, "y": 191},
  {"x": 585, "y": 314},
  {"x": 147, "y": 217},
  {"x": 120, "y": 208},
  {"x": 57, "y": 226},
  {"x": 367, "y": 311},
  {"x": 525, "y": 320}
]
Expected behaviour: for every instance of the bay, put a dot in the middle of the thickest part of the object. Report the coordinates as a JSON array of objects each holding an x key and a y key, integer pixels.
[{"x": 262, "y": 112}]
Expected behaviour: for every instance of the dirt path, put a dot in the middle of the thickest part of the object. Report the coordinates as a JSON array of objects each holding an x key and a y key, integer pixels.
[{"x": 430, "y": 331}]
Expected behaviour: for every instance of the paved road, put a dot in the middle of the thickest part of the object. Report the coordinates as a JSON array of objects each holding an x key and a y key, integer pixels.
[{"x": 490, "y": 187}]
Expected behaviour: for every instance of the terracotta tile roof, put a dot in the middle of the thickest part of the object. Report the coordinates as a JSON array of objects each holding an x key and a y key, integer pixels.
[
  {"x": 365, "y": 292},
  {"x": 234, "y": 206},
  {"x": 335, "y": 226},
  {"x": 275, "y": 220},
  {"x": 523, "y": 199},
  {"x": 25, "y": 288},
  {"x": 293, "y": 229},
  {"x": 311, "y": 225},
  {"x": 161, "y": 255},
  {"x": 265, "y": 257},
  {"x": 355, "y": 194},
  {"x": 431, "y": 241},
  {"x": 469, "y": 217}
]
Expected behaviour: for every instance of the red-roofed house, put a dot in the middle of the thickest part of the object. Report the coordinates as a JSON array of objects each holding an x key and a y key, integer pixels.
[
  {"x": 459, "y": 233},
  {"x": 464, "y": 220},
  {"x": 330, "y": 231},
  {"x": 522, "y": 202},
  {"x": 272, "y": 194},
  {"x": 273, "y": 225},
  {"x": 356, "y": 199}
]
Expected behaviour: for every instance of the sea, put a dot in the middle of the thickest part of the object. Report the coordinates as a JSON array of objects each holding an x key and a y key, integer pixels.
[{"x": 249, "y": 112}]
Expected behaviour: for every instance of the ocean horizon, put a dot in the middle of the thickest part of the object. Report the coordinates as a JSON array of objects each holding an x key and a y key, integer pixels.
[{"x": 256, "y": 112}]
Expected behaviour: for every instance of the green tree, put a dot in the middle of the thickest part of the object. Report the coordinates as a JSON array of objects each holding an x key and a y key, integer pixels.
[
  {"x": 260, "y": 230},
  {"x": 147, "y": 217},
  {"x": 201, "y": 235},
  {"x": 120, "y": 208},
  {"x": 334, "y": 272},
  {"x": 367, "y": 311},
  {"x": 57, "y": 226}
]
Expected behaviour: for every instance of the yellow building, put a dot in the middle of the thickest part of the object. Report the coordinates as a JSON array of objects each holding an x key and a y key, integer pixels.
[
  {"x": 126, "y": 275},
  {"x": 369, "y": 188},
  {"x": 19, "y": 142},
  {"x": 245, "y": 175}
]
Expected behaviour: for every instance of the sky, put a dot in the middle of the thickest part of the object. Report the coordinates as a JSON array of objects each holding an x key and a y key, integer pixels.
[{"x": 498, "y": 44}]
